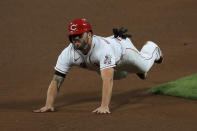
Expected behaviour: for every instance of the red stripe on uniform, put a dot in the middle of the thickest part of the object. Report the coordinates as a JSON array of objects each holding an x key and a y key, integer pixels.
[
  {"x": 118, "y": 39},
  {"x": 141, "y": 55},
  {"x": 108, "y": 66},
  {"x": 106, "y": 41},
  {"x": 59, "y": 70}
]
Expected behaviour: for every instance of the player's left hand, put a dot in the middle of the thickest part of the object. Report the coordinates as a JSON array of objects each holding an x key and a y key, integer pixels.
[{"x": 102, "y": 110}]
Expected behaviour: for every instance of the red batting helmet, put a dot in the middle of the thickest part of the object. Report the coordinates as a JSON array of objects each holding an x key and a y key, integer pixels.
[{"x": 79, "y": 26}]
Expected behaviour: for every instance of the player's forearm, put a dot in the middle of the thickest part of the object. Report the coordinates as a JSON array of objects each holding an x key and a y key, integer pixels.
[
  {"x": 106, "y": 92},
  {"x": 51, "y": 94},
  {"x": 53, "y": 90}
]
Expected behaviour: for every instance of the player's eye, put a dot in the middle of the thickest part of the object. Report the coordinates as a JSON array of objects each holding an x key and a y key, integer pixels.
[{"x": 77, "y": 36}]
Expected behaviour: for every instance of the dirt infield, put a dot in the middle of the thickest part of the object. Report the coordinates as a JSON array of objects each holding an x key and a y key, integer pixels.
[{"x": 32, "y": 35}]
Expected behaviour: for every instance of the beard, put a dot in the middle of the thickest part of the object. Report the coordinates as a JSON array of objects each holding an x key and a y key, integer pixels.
[{"x": 83, "y": 46}]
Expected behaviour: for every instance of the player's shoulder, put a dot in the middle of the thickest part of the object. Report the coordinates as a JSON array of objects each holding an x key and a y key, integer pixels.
[
  {"x": 101, "y": 41},
  {"x": 102, "y": 45},
  {"x": 101, "y": 37},
  {"x": 68, "y": 49}
]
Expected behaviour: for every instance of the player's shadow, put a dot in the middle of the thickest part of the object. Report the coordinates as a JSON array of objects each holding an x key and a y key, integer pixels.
[
  {"x": 118, "y": 100},
  {"x": 23, "y": 105},
  {"x": 129, "y": 97}
]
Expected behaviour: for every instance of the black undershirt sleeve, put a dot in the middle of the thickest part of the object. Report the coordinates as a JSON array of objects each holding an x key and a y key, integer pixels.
[{"x": 60, "y": 74}]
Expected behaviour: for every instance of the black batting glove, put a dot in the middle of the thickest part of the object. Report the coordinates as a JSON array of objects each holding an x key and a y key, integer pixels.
[{"x": 121, "y": 33}]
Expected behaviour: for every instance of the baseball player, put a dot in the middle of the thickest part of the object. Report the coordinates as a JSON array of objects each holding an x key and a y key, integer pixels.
[{"x": 112, "y": 57}]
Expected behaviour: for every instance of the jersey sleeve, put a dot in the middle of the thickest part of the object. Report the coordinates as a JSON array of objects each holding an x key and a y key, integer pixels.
[
  {"x": 107, "y": 59},
  {"x": 64, "y": 61}
]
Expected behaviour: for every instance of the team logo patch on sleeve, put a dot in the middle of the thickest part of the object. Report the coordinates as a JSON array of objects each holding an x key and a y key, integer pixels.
[{"x": 107, "y": 59}]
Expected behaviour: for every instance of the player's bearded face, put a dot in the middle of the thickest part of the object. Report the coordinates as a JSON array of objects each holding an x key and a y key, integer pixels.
[{"x": 81, "y": 41}]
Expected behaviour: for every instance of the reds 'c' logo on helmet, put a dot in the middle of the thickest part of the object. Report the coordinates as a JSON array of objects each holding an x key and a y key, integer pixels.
[
  {"x": 73, "y": 27},
  {"x": 79, "y": 26}
]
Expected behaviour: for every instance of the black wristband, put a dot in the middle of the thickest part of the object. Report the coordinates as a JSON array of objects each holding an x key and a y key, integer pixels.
[{"x": 60, "y": 74}]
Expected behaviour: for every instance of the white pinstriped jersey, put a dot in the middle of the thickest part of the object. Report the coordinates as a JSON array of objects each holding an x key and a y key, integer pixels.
[{"x": 105, "y": 53}]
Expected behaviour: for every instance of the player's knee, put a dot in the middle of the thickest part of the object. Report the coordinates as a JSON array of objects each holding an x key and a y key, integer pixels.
[
  {"x": 120, "y": 75},
  {"x": 151, "y": 43}
]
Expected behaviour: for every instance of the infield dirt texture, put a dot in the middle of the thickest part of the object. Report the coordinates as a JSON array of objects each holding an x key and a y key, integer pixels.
[{"x": 34, "y": 32}]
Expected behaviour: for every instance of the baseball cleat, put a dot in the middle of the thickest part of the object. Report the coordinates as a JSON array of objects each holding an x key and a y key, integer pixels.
[
  {"x": 142, "y": 75},
  {"x": 160, "y": 60}
]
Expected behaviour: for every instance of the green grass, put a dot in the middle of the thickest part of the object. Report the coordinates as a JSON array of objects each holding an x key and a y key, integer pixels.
[{"x": 184, "y": 87}]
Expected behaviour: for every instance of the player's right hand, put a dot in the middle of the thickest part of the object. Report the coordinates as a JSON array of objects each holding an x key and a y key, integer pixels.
[{"x": 44, "y": 109}]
